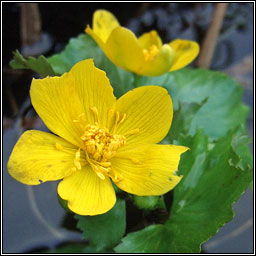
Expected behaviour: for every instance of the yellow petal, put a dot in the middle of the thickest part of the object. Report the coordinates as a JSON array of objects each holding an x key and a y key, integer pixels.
[
  {"x": 94, "y": 90},
  {"x": 185, "y": 52},
  {"x": 36, "y": 159},
  {"x": 123, "y": 49},
  {"x": 86, "y": 193},
  {"x": 150, "y": 38},
  {"x": 61, "y": 100},
  {"x": 148, "y": 170},
  {"x": 98, "y": 40},
  {"x": 103, "y": 24},
  {"x": 149, "y": 109},
  {"x": 57, "y": 104}
]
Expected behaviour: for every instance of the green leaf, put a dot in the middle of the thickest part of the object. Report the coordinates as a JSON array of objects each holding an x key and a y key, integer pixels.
[
  {"x": 104, "y": 231},
  {"x": 223, "y": 109},
  {"x": 40, "y": 65},
  {"x": 84, "y": 47},
  {"x": 149, "y": 240},
  {"x": 202, "y": 201},
  {"x": 240, "y": 143},
  {"x": 73, "y": 248},
  {"x": 182, "y": 118}
]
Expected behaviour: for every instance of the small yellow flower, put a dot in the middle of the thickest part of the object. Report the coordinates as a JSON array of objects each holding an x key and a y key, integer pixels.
[
  {"x": 99, "y": 139},
  {"x": 145, "y": 55}
]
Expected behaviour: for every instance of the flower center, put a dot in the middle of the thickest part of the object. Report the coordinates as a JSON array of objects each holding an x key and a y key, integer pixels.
[
  {"x": 99, "y": 147},
  {"x": 99, "y": 144},
  {"x": 150, "y": 53}
]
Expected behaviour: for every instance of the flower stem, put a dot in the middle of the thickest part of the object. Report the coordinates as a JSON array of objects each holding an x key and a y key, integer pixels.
[{"x": 137, "y": 80}]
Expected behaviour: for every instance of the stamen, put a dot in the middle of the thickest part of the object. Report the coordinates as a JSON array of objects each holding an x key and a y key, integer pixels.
[
  {"x": 101, "y": 175},
  {"x": 109, "y": 117},
  {"x": 97, "y": 169},
  {"x": 108, "y": 155},
  {"x": 78, "y": 154},
  {"x": 99, "y": 145},
  {"x": 96, "y": 155},
  {"x": 81, "y": 120},
  {"x": 122, "y": 118},
  {"x": 63, "y": 149},
  {"x": 116, "y": 122},
  {"x": 119, "y": 120},
  {"x": 78, "y": 161},
  {"x": 132, "y": 132},
  {"x": 104, "y": 168},
  {"x": 116, "y": 177},
  {"x": 96, "y": 114},
  {"x": 151, "y": 52},
  {"x": 105, "y": 164}
]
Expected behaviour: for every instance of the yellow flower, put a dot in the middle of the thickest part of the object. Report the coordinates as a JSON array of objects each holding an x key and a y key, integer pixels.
[
  {"x": 99, "y": 139},
  {"x": 143, "y": 56}
]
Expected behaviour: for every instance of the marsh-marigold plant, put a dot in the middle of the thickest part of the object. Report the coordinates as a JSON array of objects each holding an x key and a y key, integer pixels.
[
  {"x": 146, "y": 55},
  {"x": 98, "y": 140}
]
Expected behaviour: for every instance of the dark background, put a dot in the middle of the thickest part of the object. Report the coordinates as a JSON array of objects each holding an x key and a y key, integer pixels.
[{"x": 61, "y": 21}]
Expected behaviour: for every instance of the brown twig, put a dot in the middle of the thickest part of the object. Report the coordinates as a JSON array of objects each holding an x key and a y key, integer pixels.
[
  {"x": 30, "y": 23},
  {"x": 211, "y": 37}
]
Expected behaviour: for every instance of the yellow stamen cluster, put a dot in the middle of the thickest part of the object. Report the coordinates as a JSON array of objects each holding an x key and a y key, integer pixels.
[
  {"x": 151, "y": 52},
  {"x": 99, "y": 145}
]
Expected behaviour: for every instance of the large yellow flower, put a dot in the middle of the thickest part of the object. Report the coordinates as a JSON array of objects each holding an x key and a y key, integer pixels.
[
  {"x": 99, "y": 139},
  {"x": 143, "y": 56}
]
